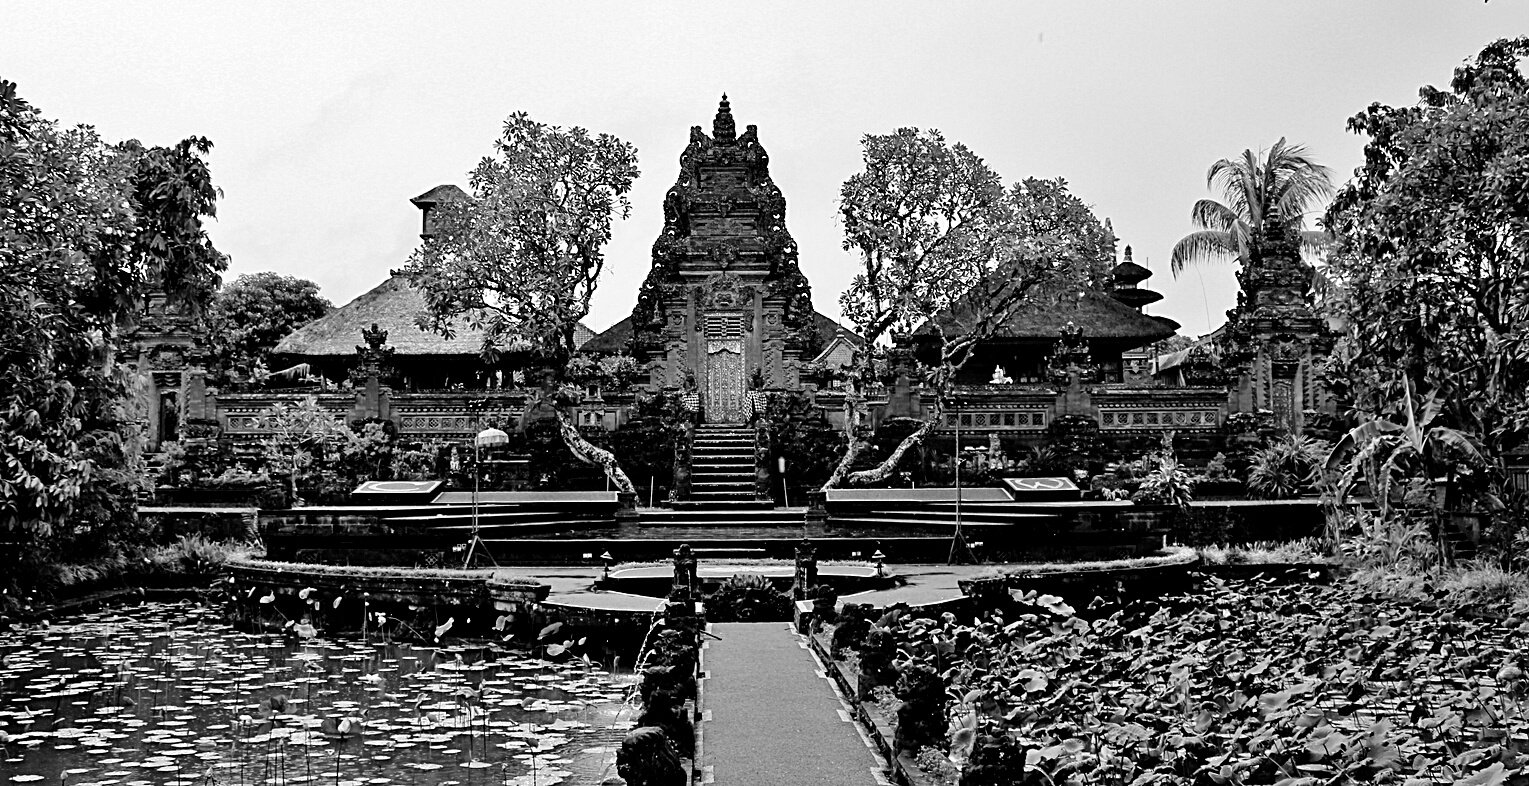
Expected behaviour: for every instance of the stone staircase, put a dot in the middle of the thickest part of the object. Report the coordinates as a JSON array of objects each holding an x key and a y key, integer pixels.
[
  {"x": 722, "y": 469},
  {"x": 153, "y": 467}
]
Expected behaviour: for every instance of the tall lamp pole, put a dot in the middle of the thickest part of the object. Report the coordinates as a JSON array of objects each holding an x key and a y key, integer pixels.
[
  {"x": 951, "y": 560},
  {"x": 487, "y": 438}
]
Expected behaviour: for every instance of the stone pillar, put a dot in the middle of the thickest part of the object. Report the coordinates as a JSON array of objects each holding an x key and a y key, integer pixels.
[
  {"x": 684, "y": 445},
  {"x": 684, "y": 588},
  {"x": 816, "y": 517},
  {"x": 806, "y": 570},
  {"x": 373, "y": 361},
  {"x": 762, "y": 468},
  {"x": 1274, "y": 331}
]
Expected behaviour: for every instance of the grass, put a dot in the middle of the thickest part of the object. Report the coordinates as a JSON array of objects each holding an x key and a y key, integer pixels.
[
  {"x": 1172, "y": 555},
  {"x": 1474, "y": 586},
  {"x": 1300, "y": 551},
  {"x": 363, "y": 571}
]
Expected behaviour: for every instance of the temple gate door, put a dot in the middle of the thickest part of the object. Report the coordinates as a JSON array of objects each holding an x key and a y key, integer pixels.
[{"x": 725, "y": 391}]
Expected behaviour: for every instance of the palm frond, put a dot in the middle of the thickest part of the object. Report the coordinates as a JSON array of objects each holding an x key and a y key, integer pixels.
[
  {"x": 1212, "y": 215},
  {"x": 1202, "y": 245},
  {"x": 1315, "y": 241}
]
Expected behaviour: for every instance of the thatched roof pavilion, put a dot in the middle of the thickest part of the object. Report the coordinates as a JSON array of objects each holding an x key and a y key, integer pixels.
[
  {"x": 422, "y": 359},
  {"x": 1024, "y": 340}
]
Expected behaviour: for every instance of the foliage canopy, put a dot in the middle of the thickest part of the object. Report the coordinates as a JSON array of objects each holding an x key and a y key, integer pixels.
[{"x": 521, "y": 256}]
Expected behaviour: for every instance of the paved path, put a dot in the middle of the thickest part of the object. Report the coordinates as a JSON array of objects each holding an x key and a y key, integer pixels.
[
  {"x": 771, "y": 717},
  {"x": 927, "y": 585}
]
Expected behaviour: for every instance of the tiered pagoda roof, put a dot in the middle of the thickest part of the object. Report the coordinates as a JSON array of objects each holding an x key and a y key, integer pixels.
[{"x": 1126, "y": 276}]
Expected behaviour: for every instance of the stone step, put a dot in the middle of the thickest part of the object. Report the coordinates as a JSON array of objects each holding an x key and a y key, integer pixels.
[
  {"x": 724, "y": 504},
  {"x": 871, "y": 522},
  {"x": 697, "y": 516},
  {"x": 917, "y": 515}
]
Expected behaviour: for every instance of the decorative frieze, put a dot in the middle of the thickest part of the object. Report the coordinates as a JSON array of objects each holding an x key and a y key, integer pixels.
[
  {"x": 1202, "y": 418},
  {"x": 999, "y": 419}
]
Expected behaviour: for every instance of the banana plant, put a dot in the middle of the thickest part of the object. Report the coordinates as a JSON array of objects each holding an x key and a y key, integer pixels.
[{"x": 1383, "y": 451}]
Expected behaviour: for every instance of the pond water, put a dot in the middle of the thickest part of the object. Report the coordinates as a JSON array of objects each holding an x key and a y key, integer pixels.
[{"x": 166, "y": 693}]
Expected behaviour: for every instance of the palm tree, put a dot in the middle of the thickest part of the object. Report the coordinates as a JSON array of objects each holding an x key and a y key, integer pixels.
[{"x": 1258, "y": 188}]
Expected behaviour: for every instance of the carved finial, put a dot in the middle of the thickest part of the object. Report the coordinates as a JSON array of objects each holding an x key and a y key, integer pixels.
[
  {"x": 375, "y": 337},
  {"x": 722, "y": 128},
  {"x": 1128, "y": 253}
]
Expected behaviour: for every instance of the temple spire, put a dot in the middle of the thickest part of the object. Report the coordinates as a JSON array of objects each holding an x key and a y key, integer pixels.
[{"x": 723, "y": 128}]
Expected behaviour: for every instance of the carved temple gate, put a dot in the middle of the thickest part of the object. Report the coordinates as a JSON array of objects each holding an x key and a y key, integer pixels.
[{"x": 725, "y": 300}]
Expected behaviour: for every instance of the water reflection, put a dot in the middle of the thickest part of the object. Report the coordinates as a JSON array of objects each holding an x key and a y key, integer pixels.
[{"x": 169, "y": 694}]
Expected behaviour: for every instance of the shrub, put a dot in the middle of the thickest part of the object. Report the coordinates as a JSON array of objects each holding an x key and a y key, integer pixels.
[
  {"x": 921, "y": 718},
  {"x": 1216, "y": 468},
  {"x": 854, "y": 625},
  {"x": 1167, "y": 484},
  {"x": 997, "y": 760},
  {"x": 748, "y": 598},
  {"x": 1286, "y": 467}
]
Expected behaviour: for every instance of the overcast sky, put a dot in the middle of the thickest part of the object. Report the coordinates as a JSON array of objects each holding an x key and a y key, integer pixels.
[{"x": 327, "y": 117}]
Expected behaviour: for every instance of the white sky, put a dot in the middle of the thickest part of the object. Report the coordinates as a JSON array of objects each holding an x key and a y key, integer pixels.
[{"x": 327, "y": 117}]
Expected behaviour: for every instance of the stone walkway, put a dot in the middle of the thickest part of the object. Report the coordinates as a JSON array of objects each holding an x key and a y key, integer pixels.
[{"x": 770, "y": 716}]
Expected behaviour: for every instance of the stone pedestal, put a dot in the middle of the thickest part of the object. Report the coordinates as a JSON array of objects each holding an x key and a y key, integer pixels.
[{"x": 806, "y": 576}]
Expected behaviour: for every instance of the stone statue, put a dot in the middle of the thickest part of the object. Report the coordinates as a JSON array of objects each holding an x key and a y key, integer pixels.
[
  {"x": 1000, "y": 377},
  {"x": 684, "y": 573},
  {"x": 690, "y": 399},
  {"x": 756, "y": 405}
]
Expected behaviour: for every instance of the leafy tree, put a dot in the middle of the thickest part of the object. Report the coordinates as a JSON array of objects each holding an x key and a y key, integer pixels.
[
  {"x": 297, "y": 434},
  {"x": 1045, "y": 208},
  {"x": 521, "y": 256},
  {"x": 944, "y": 248},
  {"x": 254, "y": 312},
  {"x": 1279, "y": 186},
  {"x": 173, "y": 194},
  {"x": 86, "y": 229},
  {"x": 1433, "y": 263}
]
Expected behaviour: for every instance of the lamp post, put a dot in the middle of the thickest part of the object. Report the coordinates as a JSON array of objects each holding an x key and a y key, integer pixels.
[
  {"x": 607, "y": 558},
  {"x": 951, "y": 560},
  {"x": 785, "y": 498},
  {"x": 487, "y": 438}
]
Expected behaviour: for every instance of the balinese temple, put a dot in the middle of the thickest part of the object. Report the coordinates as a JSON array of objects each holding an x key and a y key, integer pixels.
[{"x": 725, "y": 304}]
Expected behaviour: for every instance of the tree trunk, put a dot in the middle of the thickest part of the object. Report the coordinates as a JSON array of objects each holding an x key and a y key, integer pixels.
[
  {"x": 842, "y": 476},
  {"x": 593, "y": 454},
  {"x": 853, "y": 446},
  {"x": 885, "y": 469}
]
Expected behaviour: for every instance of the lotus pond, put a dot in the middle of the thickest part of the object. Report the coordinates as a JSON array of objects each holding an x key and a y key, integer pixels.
[
  {"x": 1248, "y": 681},
  {"x": 166, "y": 693}
]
